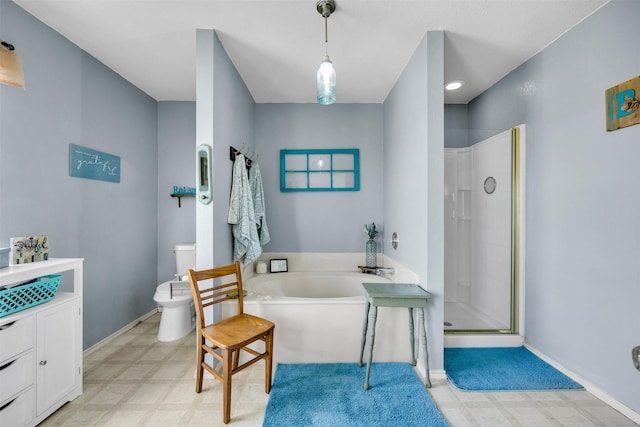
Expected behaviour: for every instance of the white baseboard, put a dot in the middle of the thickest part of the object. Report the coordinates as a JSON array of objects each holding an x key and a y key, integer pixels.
[
  {"x": 597, "y": 392},
  {"x": 119, "y": 332}
]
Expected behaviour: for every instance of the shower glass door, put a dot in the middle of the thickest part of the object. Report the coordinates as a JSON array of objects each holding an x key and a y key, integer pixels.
[{"x": 481, "y": 236}]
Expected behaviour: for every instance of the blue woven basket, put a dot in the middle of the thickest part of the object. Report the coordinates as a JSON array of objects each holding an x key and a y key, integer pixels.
[{"x": 25, "y": 296}]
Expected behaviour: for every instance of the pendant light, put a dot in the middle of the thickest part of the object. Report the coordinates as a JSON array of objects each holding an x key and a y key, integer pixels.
[
  {"x": 10, "y": 66},
  {"x": 326, "y": 76}
]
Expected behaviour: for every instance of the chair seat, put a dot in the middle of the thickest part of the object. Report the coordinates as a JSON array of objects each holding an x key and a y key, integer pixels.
[{"x": 236, "y": 331}]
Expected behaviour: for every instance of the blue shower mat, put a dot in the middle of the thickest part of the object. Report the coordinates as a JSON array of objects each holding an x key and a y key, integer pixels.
[{"x": 503, "y": 369}]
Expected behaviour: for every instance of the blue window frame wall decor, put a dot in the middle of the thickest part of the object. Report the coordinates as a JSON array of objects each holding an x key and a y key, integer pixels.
[{"x": 320, "y": 170}]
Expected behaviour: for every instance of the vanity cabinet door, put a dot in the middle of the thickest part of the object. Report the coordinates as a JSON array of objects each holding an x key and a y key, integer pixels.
[{"x": 58, "y": 370}]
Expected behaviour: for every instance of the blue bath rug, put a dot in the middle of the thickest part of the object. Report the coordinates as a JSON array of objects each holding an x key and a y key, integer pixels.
[
  {"x": 332, "y": 394},
  {"x": 503, "y": 369}
]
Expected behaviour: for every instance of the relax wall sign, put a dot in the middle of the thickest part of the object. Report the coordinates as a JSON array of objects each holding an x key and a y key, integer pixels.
[{"x": 623, "y": 104}]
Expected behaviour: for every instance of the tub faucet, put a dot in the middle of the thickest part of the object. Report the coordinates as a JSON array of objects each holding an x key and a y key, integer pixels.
[{"x": 385, "y": 270}]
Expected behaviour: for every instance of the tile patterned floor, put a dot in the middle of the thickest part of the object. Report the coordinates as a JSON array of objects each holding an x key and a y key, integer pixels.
[{"x": 134, "y": 380}]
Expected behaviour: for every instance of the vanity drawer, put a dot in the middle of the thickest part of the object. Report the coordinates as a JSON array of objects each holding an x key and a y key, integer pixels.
[
  {"x": 16, "y": 337},
  {"x": 17, "y": 411},
  {"x": 16, "y": 375}
]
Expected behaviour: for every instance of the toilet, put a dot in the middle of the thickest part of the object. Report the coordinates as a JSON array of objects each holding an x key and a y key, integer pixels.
[{"x": 174, "y": 297}]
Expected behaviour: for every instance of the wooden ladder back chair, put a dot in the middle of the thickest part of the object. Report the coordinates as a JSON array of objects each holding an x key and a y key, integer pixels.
[{"x": 225, "y": 339}]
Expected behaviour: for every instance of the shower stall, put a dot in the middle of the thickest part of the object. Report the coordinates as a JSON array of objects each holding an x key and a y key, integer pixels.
[{"x": 484, "y": 238}]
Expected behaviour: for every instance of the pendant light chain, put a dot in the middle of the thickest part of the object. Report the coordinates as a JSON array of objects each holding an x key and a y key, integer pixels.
[{"x": 326, "y": 37}]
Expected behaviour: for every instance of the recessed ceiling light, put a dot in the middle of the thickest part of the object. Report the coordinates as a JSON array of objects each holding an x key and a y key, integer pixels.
[{"x": 454, "y": 84}]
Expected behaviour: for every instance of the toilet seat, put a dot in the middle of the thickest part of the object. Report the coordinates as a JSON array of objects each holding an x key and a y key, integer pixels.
[{"x": 180, "y": 293}]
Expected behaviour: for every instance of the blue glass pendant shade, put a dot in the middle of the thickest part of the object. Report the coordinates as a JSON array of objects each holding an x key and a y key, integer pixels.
[{"x": 326, "y": 82}]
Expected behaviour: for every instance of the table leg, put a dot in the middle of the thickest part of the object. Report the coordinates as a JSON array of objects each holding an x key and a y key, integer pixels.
[
  {"x": 411, "y": 338},
  {"x": 364, "y": 330},
  {"x": 372, "y": 338},
  {"x": 423, "y": 325}
]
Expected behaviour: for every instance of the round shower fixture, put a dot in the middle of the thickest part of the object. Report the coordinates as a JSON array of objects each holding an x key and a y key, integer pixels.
[{"x": 490, "y": 185}]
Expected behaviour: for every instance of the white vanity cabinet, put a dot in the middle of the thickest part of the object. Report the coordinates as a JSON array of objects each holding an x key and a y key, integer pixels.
[{"x": 41, "y": 348}]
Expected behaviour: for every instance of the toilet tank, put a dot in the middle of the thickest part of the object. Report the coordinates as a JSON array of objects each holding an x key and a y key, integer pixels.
[{"x": 185, "y": 257}]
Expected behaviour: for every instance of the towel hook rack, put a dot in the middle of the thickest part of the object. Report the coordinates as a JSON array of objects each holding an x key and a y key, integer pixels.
[{"x": 232, "y": 155}]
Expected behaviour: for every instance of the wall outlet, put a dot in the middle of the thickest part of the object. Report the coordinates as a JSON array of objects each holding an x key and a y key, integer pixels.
[{"x": 635, "y": 354}]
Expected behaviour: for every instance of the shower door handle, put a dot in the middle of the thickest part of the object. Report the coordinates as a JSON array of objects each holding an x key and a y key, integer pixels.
[{"x": 635, "y": 354}]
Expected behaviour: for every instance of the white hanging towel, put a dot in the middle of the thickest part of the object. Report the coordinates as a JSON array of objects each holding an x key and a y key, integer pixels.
[
  {"x": 255, "y": 183},
  {"x": 246, "y": 242}
]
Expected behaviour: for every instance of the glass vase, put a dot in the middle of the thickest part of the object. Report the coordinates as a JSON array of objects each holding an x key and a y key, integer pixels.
[{"x": 372, "y": 253}]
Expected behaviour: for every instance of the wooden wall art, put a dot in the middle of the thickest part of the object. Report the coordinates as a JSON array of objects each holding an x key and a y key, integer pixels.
[{"x": 623, "y": 104}]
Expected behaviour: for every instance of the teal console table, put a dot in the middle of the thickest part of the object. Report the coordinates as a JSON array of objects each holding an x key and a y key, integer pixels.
[{"x": 395, "y": 295}]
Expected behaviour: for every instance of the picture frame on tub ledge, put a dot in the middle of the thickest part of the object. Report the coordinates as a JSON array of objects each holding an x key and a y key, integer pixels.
[{"x": 278, "y": 265}]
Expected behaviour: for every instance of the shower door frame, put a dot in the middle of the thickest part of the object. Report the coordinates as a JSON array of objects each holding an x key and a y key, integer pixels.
[{"x": 516, "y": 316}]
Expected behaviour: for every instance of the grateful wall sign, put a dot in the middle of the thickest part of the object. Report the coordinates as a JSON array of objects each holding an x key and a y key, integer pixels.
[
  {"x": 623, "y": 104},
  {"x": 92, "y": 164}
]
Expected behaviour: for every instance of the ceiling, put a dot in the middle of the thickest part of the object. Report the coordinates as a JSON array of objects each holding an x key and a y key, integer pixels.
[{"x": 277, "y": 46}]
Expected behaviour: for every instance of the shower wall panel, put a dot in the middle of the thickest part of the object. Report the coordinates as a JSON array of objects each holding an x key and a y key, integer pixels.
[
  {"x": 458, "y": 220},
  {"x": 450, "y": 248}
]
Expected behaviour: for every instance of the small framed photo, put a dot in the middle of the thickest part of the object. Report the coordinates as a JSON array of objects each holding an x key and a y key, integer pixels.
[{"x": 279, "y": 266}]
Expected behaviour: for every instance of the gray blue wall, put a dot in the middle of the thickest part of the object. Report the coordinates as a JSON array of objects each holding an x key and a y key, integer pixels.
[
  {"x": 234, "y": 116},
  {"x": 320, "y": 221},
  {"x": 456, "y": 125},
  {"x": 583, "y": 209},
  {"x": 72, "y": 98},
  {"x": 176, "y": 166},
  {"x": 414, "y": 177}
]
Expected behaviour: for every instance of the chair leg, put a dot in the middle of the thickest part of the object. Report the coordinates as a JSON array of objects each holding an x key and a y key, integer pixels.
[
  {"x": 227, "y": 358},
  {"x": 236, "y": 359},
  {"x": 199, "y": 368},
  {"x": 268, "y": 362}
]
